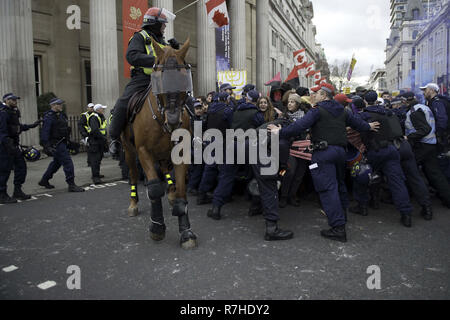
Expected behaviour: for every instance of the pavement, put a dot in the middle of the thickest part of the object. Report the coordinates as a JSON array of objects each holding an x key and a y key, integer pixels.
[
  {"x": 44, "y": 240},
  {"x": 83, "y": 176}
]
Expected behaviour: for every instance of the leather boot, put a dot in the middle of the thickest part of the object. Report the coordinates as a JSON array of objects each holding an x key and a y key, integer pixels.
[
  {"x": 406, "y": 220},
  {"x": 427, "y": 213},
  {"x": 19, "y": 194},
  {"x": 359, "y": 209},
  {"x": 336, "y": 234},
  {"x": 203, "y": 198},
  {"x": 273, "y": 233},
  {"x": 283, "y": 202},
  {"x": 46, "y": 184},
  {"x": 214, "y": 213},
  {"x": 75, "y": 188},
  {"x": 5, "y": 199},
  {"x": 97, "y": 180}
]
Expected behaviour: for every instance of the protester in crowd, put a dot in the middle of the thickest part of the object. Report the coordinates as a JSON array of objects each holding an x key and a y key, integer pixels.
[
  {"x": 266, "y": 107},
  {"x": 298, "y": 159}
]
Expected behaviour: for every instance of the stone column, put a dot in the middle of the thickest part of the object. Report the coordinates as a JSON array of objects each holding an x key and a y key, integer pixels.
[
  {"x": 263, "y": 64},
  {"x": 206, "y": 52},
  {"x": 166, "y": 4},
  {"x": 238, "y": 34},
  {"x": 104, "y": 56},
  {"x": 17, "y": 61}
]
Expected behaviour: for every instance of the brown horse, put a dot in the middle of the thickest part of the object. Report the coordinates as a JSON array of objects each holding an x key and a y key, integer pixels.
[{"x": 163, "y": 112}]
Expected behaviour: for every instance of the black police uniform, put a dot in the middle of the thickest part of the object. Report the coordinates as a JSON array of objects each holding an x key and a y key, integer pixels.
[
  {"x": 196, "y": 170},
  {"x": 54, "y": 138},
  {"x": 97, "y": 144},
  {"x": 384, "y": 157},
  {"x": 11, "y": 156}
]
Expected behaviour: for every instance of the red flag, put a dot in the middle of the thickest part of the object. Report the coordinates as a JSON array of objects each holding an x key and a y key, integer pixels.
[
  {"x": 217, "y": 13},
  {"x": 300, "y": 58},
  {"x": 293, "y": 78},
  {"x": 321, "y": 80},
  {"x": 133, "y": 12},
  {"x": 311, "y": 69},
  {"x": 274, "y": 81}
]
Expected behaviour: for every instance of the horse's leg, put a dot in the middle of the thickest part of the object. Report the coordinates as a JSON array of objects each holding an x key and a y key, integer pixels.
[
  {"x": 180, "y": 209},
  {"x": 155, "y": 192},
  {"x": 130, "y": 158}
]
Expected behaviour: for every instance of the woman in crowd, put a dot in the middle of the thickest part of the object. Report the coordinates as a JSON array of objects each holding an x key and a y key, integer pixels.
[
  {"x": 266, "y": 107},
  {"x": 298, "y": 158}
]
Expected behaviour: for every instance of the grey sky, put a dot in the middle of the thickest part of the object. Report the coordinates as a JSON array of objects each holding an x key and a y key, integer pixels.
[{"x": 345, "y": 27}]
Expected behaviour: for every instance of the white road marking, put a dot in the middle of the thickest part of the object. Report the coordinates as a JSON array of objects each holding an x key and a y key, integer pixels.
[
  {"x": 10, "y": 269},
  {"x": 46, "y": 285}
]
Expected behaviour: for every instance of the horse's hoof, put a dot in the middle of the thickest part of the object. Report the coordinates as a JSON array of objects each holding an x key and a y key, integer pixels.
[
  {"x": 188, "y": 240},
  {"x": 157, "y": 237},
  {"x": 133, "y": 212},
  {"x": 189, "y": 245},
  {"x": 157, "y": 232}
]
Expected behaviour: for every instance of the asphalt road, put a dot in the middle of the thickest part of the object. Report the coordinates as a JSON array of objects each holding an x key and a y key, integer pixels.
[{"x": 118, "y": 260}]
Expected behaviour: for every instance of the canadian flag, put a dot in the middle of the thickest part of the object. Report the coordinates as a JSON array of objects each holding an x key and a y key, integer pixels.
[
  {"x": 321, "y": 80},
  {"x": 310, "y": 69},
  {"x": 300, "y": 59},
  {"x": 217, "y": 13}
]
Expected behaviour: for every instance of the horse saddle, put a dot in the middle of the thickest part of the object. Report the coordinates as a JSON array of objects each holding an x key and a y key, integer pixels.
[{"x": 136, "y": 103}]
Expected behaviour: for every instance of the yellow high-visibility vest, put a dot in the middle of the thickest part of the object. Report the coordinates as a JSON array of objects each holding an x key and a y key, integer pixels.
[
  {"x": 150, "y": 50},
  {"x": 87, "y": 116},
  {"x": 103, "y": 124}
]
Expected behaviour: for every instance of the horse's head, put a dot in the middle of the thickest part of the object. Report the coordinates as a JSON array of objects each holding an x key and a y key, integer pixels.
[{"x": 171, "y": 82}]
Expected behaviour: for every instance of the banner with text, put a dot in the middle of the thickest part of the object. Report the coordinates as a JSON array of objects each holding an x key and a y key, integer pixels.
[
  {"x": 132, "y": 17},
  {"x": 223, "y": 48}
]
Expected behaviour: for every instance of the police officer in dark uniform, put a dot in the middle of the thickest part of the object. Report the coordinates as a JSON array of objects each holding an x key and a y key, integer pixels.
[
  {"x": 219, "y": 117},
  {"x": 328, "y": 123},
  {"x": 54, "y": 138},
  {"x": 384, "y": 157},
  {"x": 196, "y": 170},
  {"x": 11, "y": 156},
  {"x": 421, "y": 134},
  {"x": 97, "y": 141},
  {"x": 228, "y": 88},
  {"x": 246, "y": 116},
  {"x": 140, "y": 55}
]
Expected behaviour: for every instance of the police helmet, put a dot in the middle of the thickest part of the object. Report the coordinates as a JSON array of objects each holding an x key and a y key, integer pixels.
[{"x": 31, "y": 154}]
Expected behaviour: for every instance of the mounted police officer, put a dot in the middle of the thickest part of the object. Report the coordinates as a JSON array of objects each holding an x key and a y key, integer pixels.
[
  {"x": 421, "y": 134},
  {"x": 140, "y": 55},
  {"x": 328, "y": 122},
  {"x": 54, "y": 138},
  {"x": 383, "y": 156},
  {"x": 11, "y": 156},
  {"x": 97, "y": 141}
]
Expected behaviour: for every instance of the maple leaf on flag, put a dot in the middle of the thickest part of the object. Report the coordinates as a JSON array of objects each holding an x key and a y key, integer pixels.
[
  {"x": 300, "y": 58},
  {"x": 220, "y": 19},
  {"x": 217, "y": 13},
  {"x": 310, "y": 69},
  {"x": 320, "y": 81}
]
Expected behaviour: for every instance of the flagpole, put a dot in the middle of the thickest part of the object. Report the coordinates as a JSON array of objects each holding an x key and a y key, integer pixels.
[{"x": 189, "y": 5}]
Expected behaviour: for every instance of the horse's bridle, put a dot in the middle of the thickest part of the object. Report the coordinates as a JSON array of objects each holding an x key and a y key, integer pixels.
[{"x": 173, "y": 98}]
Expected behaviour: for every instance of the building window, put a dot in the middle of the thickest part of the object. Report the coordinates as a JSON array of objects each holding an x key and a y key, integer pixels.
[
  {"x": 274, "y": 39},
  {"x": 88, "y": 83},
  {"x": 415, "y": 14},
  {"x": 282, "y": 70},
  {"x": 37, "y": 75},
  {"x": 274, "y": 67}
]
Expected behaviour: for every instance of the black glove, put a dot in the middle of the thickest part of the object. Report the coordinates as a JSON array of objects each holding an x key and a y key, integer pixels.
[
  {"x": 174, "y": 44},
  {"x": 12, "y": 148},
  {"x": 49, "y": 150},
  {"x": 36, "y": 124}
]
